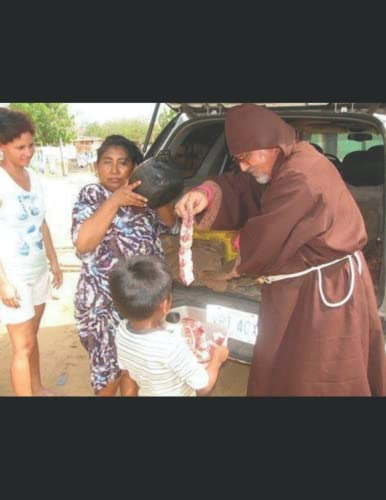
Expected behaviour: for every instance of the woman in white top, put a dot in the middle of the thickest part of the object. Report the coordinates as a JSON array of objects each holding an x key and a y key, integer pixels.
[{"x": 26, "y": 244}]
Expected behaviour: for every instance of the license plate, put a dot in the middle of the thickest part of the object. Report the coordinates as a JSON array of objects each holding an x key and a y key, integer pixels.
[{"x": 240, "y": 325}]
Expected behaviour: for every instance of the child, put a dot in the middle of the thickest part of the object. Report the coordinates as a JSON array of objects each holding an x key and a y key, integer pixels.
[{"x": 160, "y": 362}]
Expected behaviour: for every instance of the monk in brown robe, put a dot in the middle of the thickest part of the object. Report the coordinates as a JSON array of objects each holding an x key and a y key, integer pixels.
[{"x": 301, "y": 230}]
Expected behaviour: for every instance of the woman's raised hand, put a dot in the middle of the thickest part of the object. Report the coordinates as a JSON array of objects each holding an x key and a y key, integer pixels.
[{"x": 125, "y": 196}]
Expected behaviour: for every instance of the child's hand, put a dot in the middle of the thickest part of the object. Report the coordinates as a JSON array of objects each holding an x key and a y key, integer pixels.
[
  {"x": 9, "y": 295},
  {"x": 220, "y": 353}
]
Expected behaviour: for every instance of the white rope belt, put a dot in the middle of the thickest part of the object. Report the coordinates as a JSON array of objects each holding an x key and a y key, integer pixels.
[{"x": 280, "y": 277}]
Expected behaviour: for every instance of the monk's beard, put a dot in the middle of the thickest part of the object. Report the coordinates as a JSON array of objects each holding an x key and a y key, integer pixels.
[{"x": 262, "y": 178}]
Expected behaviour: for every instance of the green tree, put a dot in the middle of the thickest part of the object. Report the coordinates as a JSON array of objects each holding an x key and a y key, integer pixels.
[
  {"x": 52, "y": 119},
  {"x": 164, "y": 118},
  {"x": 133, "y": 129}
]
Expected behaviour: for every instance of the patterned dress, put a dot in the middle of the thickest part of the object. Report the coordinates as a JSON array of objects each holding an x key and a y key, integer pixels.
[{"x": 133, "y": 231}]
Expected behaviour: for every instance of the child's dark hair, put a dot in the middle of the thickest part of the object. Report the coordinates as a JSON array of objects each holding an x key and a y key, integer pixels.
[
  {"x": 119, "y": 141},
  {"x": 138, "y": 286},
  {"x": 13, "y": 124}
]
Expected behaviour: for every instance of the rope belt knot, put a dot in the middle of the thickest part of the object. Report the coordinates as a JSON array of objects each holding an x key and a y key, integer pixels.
[{"x": 318, "y": 269}]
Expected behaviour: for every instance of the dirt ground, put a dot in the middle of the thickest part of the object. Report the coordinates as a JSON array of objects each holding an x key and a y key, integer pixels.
[{"x": 64, "y": 361}]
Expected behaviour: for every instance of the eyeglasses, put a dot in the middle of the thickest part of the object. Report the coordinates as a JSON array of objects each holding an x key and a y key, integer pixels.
[{"x": 242, "y": 158}]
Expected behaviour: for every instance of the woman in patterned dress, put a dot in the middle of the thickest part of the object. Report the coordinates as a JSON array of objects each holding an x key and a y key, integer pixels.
[{"x": 110, "y": 221}]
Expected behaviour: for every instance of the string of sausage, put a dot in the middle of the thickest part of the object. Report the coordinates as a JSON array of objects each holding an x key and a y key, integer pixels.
[{"x": 185, "y": 253}]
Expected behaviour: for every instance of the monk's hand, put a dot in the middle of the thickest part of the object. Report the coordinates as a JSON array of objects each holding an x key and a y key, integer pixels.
[
  {"x": 191, "y": 203},
  {"x": 125, "y": 196},
  {"x": 9, "y": 295}
]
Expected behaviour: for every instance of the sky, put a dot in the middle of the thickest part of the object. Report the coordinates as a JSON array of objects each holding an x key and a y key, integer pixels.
[{"x": 102, "y": 112}]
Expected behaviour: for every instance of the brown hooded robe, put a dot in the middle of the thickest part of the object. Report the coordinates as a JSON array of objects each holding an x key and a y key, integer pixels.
[{"x": 304, "y": 217}]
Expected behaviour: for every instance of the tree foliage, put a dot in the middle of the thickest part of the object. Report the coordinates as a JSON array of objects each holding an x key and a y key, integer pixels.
[
  {"x": 164, "y": 118},
  {"x": 52, "y": 119},
  {"x": 134, "y": 129}
]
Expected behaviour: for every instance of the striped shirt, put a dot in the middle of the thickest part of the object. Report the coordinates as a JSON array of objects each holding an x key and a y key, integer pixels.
[{"x": 160, "y": 362}]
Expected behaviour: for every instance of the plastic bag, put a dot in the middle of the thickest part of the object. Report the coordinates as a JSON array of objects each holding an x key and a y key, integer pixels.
[{"x": 161, "y": 180}]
